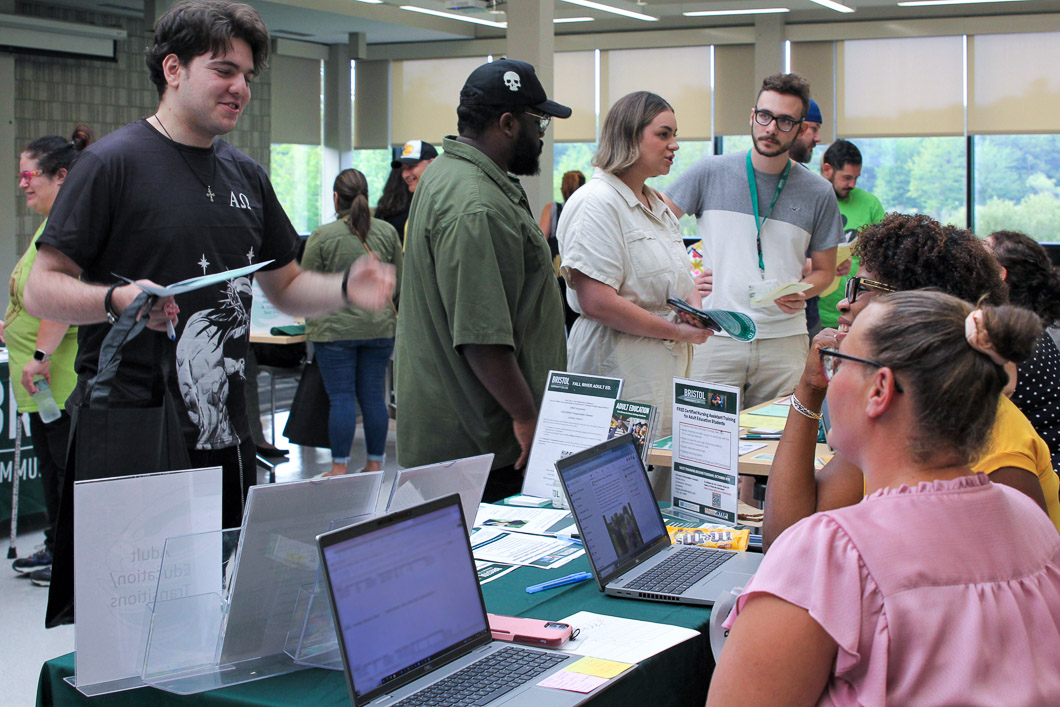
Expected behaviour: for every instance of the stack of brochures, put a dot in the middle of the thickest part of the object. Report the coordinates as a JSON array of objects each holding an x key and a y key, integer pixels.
[{"x": 642, "y": 419}]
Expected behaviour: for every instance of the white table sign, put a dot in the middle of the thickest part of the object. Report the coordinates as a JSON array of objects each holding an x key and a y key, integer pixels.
[
  {"x": 706, "y": 449},
  {"x": 575, "y": 414}
]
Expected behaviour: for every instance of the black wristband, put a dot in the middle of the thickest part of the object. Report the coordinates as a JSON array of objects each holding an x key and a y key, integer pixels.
[
  {"x": 345, "y": 281},
  {"x": 108, "y": 303}
]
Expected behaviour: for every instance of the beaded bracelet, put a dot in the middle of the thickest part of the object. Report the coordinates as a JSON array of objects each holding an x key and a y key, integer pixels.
[{"x": 803, "y": 410}]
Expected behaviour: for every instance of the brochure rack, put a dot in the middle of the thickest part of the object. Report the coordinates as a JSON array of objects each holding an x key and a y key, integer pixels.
[
  {"x": 123, "y": 524},
  {"x": 312, "y": 640},
  {"x": 237, "y": 632}
]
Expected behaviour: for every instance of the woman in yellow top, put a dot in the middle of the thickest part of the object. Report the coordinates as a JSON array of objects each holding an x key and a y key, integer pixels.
[
  {"x": 41, "y": 349},
  {"x": 901, "y": 253}
]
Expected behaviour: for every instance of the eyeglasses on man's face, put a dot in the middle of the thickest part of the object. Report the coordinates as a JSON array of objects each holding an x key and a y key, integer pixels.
[
  {"x": 543, "y": 120},
  {"x": 830, "y": 360},
  {"x": 28, "y": 175},
  {"x": 785, "y": 123},
  {"x": 856, "y": 285}
]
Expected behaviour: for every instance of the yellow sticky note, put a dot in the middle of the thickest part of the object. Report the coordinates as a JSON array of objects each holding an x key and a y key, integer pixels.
[{"x": 599, "y": 667}]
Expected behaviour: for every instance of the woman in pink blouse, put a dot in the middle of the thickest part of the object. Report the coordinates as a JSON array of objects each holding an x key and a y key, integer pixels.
[{"x": 940, "y": 587}]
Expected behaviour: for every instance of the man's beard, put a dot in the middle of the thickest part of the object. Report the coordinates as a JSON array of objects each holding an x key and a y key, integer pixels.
[
  {"x": 800, "y": 152},
  {"x": 771, "y": 151},
  {"x": 526, "y": 160}
]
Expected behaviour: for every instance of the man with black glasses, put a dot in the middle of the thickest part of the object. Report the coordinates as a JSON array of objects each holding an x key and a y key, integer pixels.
[{"x": 757, "y": 256}]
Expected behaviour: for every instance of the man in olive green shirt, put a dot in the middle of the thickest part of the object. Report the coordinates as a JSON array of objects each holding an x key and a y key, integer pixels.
[{"x": 481, "y": 320}]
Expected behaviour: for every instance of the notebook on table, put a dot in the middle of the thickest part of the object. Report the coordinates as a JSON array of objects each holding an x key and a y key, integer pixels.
[
  {"x": 625, "y": 537},
  {"x": 412, "y": 623}
]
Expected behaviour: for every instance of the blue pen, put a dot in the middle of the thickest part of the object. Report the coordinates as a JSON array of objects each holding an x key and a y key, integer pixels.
[
  {"x": 553, "y": 583},
  {"x": 170, "y": 331}
]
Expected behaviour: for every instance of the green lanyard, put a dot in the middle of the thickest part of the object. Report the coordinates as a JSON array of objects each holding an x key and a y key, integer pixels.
[{"x": 754, "y": 203}]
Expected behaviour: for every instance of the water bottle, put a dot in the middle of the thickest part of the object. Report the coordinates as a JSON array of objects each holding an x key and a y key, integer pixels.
[{"x": 46, "y": 406}]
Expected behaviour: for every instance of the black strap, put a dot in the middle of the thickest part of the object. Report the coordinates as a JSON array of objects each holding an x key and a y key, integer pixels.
[{"x": 129, "y": 324}]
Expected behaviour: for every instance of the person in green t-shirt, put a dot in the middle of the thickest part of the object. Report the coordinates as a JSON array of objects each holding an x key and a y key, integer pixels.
[
  {"x": 39, "y": 349},
  {"x": 481, "y": 322},
  {"x": 841, "y": 166}
]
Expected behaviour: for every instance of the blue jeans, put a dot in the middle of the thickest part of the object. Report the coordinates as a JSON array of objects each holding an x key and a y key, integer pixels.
[{"x": 354, "y": 370}]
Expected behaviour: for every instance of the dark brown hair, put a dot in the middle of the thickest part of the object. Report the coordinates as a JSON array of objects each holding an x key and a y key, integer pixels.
[
  {"x": 193, "y": 27},
  {"x": 53, "y": 153},
  {"x": 351, "y": 188},
  {"x": 1032, "y": 280},
  {"x": 395, "y": 198},
  {"x": 789, "y": 85},
  {"x": 917, "y": 252},
  {"x": 572, "y": 181},
  {"x": 955, "y": 389}
]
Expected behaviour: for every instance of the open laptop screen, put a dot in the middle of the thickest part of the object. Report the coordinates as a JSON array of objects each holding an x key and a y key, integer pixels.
[
  {"x": 405, "y": 595},
  {"x": 612, "y": 500}
]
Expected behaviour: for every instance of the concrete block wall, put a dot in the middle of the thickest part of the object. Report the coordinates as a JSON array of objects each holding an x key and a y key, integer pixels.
[{"x": 53, "y": 94}]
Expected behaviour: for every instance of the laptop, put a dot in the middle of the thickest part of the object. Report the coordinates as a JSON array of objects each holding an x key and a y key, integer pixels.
[
  {"x": 625, "y": 537},
  {"x": 411, "y": 620}
]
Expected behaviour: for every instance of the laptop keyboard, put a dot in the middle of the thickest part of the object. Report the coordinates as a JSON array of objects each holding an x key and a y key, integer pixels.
[
  {"x": 485, "y": 680},
  {"x": 680, "y": 571}
]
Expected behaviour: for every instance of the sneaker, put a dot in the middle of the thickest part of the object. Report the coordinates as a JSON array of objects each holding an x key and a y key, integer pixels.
[
  {"x": 39, "y": 560},
  {"x": 42, "y": 578}
]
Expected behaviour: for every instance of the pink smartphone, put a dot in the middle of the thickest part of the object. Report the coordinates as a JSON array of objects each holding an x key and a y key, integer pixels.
[{"x": 534, "y": 632}]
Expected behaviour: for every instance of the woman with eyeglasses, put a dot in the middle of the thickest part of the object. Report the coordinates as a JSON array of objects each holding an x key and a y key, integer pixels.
[
  {"x": 900, "y": 253},
  {"x": 622, "y": 257},
  {"x": 939, "y": 587},
  {"x": 40, "y": 350},
  {"x": 1033, "y": 283}
]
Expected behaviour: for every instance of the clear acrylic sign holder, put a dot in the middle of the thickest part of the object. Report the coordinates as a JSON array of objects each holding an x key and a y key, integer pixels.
[
  {"x": 237, "y": 635},
  {"x": 312, "y": 640}
]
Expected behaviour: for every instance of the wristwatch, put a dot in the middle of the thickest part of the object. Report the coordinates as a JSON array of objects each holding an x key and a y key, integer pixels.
[{"x": 39, "y": 355}]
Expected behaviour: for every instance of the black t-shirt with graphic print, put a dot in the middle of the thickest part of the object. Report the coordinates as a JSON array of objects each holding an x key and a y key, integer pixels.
[{"x": 139, "y": 205}]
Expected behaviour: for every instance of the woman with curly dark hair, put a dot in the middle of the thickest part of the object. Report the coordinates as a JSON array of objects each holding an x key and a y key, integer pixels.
[
  {"x": 1034, "y": 284},
  {"x": 902, "y": 253}
]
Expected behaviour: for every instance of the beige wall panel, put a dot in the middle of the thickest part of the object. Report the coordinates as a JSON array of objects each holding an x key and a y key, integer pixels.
[
  {"x": 901, "y": 87},
  {"x": 296, "y": 109},
  {"x": 574, "y": 79},
  {"x": 816, "y": 61},
  {"x": 371, "y": 109},
  {"x": 425, "y": 95},
  {"x": 735, "y": 88},
  {"x": 1013, "y": 84},
  {"x": 681, "y": 75}
]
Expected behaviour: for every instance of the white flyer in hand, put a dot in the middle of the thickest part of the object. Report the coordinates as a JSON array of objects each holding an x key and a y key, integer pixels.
[
  {"x": 706, "y": 449},
  {"x": 194, "y": 283},
  {"x": 575, "y": 414},
  {"x": 764, "y": 294}
]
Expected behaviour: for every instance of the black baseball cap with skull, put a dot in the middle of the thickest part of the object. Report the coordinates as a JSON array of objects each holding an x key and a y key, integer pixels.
[{"x": 507, "y": 82}]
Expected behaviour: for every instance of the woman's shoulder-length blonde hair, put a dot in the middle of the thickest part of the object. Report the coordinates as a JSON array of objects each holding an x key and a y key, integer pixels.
[{"x": 620, "y": 136}]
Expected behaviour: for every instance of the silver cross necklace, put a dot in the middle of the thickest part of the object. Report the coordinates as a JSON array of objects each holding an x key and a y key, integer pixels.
[{"x": 209, "y": 191}]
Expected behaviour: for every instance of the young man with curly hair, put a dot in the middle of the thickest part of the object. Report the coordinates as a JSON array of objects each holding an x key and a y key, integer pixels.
[{"x": 163, "y": 200}]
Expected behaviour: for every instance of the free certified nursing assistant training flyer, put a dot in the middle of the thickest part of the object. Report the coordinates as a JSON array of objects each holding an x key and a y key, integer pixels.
[{"x": 706, "y": 449}]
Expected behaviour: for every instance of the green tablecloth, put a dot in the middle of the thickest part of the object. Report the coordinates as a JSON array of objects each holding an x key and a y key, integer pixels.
[
  {"x": 679, "y": 676},
  {"x": 30, "y": 486}
]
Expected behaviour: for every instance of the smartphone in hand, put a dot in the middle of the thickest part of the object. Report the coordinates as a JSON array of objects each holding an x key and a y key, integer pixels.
[{"x": 679, "y": 305}]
